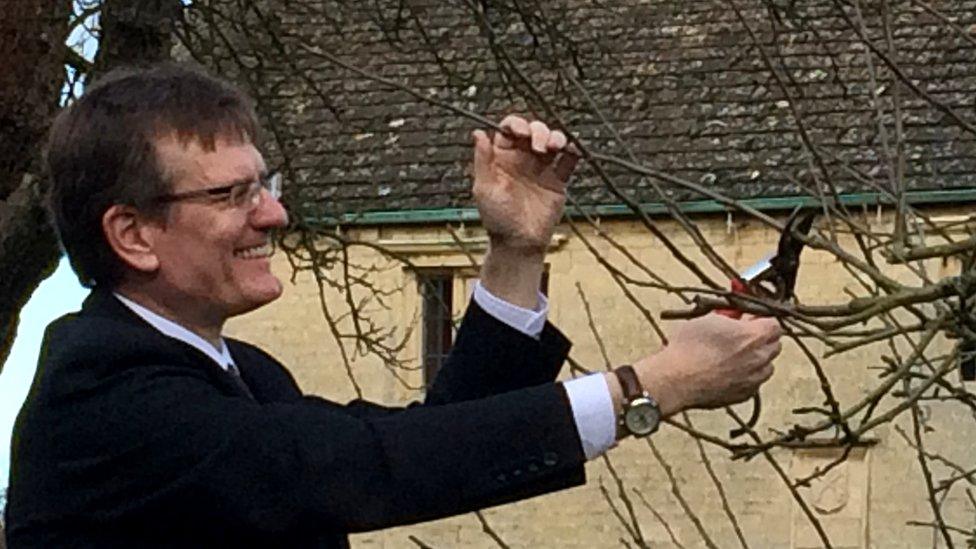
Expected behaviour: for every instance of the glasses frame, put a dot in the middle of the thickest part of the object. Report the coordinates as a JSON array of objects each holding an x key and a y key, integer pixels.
[{"x": 249, "y": 193}]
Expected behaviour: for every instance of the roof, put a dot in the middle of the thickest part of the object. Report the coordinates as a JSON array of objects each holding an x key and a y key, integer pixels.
[{"x": 682, "y": 82}]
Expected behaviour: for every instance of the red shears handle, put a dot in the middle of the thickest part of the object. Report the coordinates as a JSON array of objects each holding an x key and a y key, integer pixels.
[{"x": 738, "y": 287}]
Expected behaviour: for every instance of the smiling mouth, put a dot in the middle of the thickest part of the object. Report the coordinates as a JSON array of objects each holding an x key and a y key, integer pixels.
[{"x": 255, "y": 252}]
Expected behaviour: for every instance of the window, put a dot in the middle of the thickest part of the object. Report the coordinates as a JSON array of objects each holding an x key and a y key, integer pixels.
[
  {"x": 437, "y": 295},
  {"x": 442, "y": 292}
]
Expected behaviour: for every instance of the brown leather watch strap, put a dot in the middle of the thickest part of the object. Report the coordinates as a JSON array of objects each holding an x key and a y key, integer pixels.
[{"x": 629, "y": 382}]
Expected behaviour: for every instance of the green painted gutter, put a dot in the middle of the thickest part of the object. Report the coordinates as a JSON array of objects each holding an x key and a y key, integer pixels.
[{"x": 697, "y": 206}]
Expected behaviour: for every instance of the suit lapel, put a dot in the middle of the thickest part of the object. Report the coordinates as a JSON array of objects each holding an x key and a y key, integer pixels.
[{"x": 101, "y": 303}]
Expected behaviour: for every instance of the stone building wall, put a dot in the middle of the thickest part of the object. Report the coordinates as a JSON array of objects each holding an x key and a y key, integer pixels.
[{"x": 864, "y": 502}]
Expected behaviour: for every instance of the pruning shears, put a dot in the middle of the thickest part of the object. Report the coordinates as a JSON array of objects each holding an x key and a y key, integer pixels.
[{"x": 773, "y": 278}]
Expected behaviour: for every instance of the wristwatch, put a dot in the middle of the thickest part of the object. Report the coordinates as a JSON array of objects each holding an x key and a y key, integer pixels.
[{"x": 641, "y": 415}]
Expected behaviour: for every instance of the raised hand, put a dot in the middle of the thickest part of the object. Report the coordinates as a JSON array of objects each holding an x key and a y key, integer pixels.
[{"x": 520, "y": 183}]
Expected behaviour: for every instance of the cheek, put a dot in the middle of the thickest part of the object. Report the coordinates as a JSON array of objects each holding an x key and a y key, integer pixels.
[
  {"x": 255, "y": 274},
  {"x": 213, "y": 267}
]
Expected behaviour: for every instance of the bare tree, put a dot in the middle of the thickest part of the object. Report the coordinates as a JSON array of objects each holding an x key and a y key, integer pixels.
[
  {"x": 325, "y": 73},
  {"x": 900, "y": 130}
]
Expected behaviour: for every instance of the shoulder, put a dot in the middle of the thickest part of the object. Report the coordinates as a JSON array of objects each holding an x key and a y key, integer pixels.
[
  {"x": 103, "y": 353},
  {"x": 108, "y": 343}
]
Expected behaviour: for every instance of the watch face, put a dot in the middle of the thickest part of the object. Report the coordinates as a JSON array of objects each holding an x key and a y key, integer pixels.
[{"x": 642, "y": 417}]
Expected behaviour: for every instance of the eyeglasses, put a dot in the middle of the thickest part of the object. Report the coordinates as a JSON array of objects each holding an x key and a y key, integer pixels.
[{"x": 243, "y": 194}]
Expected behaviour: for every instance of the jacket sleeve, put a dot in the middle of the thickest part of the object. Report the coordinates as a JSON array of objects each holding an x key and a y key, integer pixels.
[
  {"x": 308, "y": 465},
  {"x": 138, "y": 432},
  {"x": 490, "y": 357}
]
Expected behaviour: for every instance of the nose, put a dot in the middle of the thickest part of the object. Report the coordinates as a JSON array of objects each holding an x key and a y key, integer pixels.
[{"x": 269, "y": 213}]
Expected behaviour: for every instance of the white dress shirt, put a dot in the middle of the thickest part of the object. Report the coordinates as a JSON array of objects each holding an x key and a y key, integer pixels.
[
  {"x": 589, "y": 396},
  {"x": 169, "y": 328}
]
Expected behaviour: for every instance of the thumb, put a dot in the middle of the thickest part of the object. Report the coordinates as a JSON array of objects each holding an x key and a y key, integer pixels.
[{"x": 483, "y": 155}]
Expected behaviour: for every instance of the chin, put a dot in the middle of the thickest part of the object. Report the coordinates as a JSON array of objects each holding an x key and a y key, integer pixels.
[{"x": 254, "y": 298}]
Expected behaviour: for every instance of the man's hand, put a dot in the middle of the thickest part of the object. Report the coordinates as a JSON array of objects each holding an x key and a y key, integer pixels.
[
  {"x": 520, "y": 189},
  {"x": 520, "y": 183},
  {"x": 712, "y": 361}
]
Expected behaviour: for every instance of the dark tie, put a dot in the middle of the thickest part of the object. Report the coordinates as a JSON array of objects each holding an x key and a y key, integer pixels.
[{"x": 235, "y": 374}]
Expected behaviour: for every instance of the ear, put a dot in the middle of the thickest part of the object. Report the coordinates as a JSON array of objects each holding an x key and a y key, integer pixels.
[{"x": 131, "y": 235}]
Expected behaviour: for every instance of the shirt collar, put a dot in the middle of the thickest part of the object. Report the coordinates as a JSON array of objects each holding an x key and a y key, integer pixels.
[{"x": 171, "y": 329}]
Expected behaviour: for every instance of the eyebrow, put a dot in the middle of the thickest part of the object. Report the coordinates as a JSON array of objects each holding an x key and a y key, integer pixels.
[{"x": 262, "y": 175}]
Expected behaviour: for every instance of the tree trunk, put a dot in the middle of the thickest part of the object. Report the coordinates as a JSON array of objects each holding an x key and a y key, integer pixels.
[
  {"x": 32, "y": 36},
  {"x": 32, "y": 56},
  {"x": 136, "y": 33}
]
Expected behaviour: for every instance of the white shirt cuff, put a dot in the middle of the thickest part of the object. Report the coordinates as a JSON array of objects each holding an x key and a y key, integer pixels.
[
  {"x": 589, "y": 398},
  {"x": 529, "y": 322}
]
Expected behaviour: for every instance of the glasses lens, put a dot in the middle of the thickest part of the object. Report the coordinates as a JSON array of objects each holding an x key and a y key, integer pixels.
[
  {"x": 273, "y": 184},
  {"x": 244, "y": 194}
]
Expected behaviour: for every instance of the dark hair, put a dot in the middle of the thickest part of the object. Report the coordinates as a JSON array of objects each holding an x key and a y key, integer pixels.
[{"x": 101, "y": 151}]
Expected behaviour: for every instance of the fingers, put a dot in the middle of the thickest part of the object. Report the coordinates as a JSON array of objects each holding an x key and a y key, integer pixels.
[
  {"x": 565, "y": 165},
  {"x": 768, "y": 328},
  {"x": 551, "y": 148},
  {"x": 514, "y": 126},
  {"x": 557, "y": 141},
  {"x": 769, "y": 331},
  {"x": 765, "y": 324},
  {"x": 539, "y": 134},
  {"x": 773, "y": 350},
  {"x": 764, "y": 368},
  {"x": 536, "y": 135}
]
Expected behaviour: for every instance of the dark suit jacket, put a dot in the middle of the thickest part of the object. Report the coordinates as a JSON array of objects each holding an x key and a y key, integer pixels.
[{"x": 130, "y": 438}]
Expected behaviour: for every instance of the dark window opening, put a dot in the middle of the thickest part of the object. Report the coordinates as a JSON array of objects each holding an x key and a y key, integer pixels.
[
  {"x": 437, "y": 297},
  {"x": 967, "y": 360},
  {"x": 437, "y": 293}
]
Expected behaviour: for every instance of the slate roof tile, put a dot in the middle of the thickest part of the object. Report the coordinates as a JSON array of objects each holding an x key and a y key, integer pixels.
[{"x": 681, "y": 81}]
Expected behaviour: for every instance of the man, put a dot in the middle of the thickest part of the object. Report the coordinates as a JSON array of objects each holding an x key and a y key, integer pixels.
[{"x": 145, "y": 427}]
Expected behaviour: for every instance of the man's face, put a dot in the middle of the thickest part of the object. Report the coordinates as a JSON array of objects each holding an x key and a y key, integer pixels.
[{"x": 210, "y": 253}]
